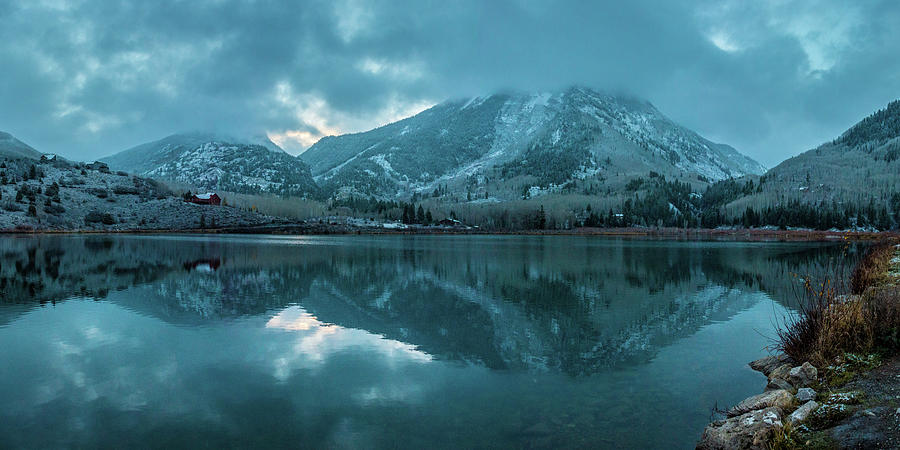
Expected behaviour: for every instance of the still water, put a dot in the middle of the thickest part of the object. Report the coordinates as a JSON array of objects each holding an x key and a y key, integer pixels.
[{"x": 390, "y": 341}]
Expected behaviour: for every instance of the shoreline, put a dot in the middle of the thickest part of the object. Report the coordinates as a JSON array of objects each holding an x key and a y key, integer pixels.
[
  {"x": 306, "y": 229},
  {"x": 849, "y": 401}
]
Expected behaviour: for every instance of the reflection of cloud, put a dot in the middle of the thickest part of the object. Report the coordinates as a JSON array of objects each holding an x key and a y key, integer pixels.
[
  {"x": 318, "y": 341},
  {"x": 100, "y": 360},
  {"x": 293, "y": 318}
]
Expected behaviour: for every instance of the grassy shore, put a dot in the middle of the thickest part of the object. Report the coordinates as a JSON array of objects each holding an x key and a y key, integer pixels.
[
  {"x": 851, "y": 333},
  {"x": 835, "y": 318}
]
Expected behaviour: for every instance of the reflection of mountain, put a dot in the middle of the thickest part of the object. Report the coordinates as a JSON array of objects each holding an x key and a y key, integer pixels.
[{"x": 564, "y": 304}]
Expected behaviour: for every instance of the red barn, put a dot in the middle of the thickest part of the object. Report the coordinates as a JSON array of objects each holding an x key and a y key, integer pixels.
[{"x": 209, "y": 198}]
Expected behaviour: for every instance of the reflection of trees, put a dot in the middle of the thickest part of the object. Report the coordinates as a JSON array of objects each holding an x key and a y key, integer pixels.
[
  {"x": 51, "y": 269},
  {"x": 567, "y": 304}
]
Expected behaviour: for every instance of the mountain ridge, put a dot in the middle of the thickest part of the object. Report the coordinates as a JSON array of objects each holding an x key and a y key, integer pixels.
[
  {"x": 860, "y": 164},
  {"x": 10, "y": 146},
  {"x": 219, "y": 162},
  {"x": 547, "y": 139}
]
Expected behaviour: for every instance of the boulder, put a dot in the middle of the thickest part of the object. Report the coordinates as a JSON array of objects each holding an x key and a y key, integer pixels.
[
  {"x": 777, "y": 383},
  {"x": 805, "y": 394},
  {"x": 753, "y": 430},
  {"x": 802, "y": 412},
  {"x": 781, "y": 398},
  {"x": 802, "y": 376},
  {"x": 769, "y": 363},
  {"x": 781, "y": 372}
]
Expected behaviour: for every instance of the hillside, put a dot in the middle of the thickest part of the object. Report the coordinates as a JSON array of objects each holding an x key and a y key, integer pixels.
[
  {"x": 61, "y": 195},
  {"x": 508, "y": 145},
  {"x": 11, "y": 147},
  {"x": 213, "y": 162},
  {"x": 860, "y": 167}
]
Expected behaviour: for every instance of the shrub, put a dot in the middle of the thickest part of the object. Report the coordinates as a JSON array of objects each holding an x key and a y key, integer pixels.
[
  {"x": 52, "y": 190},
  {"x": 54, "y": 209},
  {"x": 99, "y": 192},
  {"x": 11, "y": 207},
  {"x": 126, "y": 190},
  {"x": 872, "y": 269},
  {"x": 830, "y": 324},
  {"x": 93, "y": 217},
  {"x": 108, "y": 219}
]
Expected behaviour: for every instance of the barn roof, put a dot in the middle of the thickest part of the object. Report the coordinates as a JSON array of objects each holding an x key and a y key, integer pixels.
[{"x": 205, "y": 196}]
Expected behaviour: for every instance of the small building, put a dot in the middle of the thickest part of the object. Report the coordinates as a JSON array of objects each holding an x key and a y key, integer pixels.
[
  {"x": 209, "y": 198},
  {"x": 99, "y": 166},
  {"x": 449, "y": 222}
]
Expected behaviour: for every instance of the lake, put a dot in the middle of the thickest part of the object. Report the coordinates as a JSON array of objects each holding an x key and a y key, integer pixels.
[{"x": 384, "y": 341}]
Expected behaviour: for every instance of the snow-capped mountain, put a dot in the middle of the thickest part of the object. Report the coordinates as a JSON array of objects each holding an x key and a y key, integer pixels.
[
  {"x": 11, "y": 147},
  {"x": 503, "y": 142},
  {"x": 217, "y": 162}
]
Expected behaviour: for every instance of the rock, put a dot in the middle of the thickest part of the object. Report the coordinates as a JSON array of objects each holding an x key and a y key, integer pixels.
[
  {"x": 805, "y": 394},
  {"x": 753, "y": 430},
  {"x": 781, "y": 372},
  {"x": 769, "y": 363},
  {"x": 862, "y": 430},
  {"x": 781, "y": 398},
  {"x": 778, "y": 383},
  {"x": 802, "y": 412},
  {"x": 802, "y": 376}
]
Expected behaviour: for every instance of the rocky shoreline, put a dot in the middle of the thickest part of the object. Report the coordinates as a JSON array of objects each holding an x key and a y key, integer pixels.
[
  {"x": 754, "y": 422},
  {"x": 805, "y": 407},
  {"x": 849, "y": 401}
]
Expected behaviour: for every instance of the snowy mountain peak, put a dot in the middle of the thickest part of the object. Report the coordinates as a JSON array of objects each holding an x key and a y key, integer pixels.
[
  {"x": 544, "y": 138},
  {"x": 219, "y": 162}
]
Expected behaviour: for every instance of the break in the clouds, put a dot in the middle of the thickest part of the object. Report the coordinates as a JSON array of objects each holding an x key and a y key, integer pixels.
[{"x": 773, "y": 78}]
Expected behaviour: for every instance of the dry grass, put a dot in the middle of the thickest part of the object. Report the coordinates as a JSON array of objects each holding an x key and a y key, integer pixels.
[
  {"x": 829, "y": 324},
  {"x": 872, "y": 270}
]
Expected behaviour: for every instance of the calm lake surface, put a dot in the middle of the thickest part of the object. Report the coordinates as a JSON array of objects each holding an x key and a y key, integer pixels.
[{"x": 384, "y": 341}]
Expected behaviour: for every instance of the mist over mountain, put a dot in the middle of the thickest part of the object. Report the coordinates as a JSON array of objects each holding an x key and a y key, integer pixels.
[
  {"x": 219, "y": 162},
  {"x": 501, "y": 145}
]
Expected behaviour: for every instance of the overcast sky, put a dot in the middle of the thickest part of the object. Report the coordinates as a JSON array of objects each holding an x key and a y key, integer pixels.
[{"x": 772, "y": 78}]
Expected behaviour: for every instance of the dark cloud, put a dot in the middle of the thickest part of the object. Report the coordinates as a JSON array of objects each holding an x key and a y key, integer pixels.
[{"x": 772, "y": 78}]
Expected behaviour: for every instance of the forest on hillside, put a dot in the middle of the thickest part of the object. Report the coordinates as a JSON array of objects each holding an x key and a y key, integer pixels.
[{"x": 652, "y": 201}]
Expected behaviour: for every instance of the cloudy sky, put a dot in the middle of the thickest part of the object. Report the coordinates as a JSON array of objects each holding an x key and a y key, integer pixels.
[{"x": 772, "y": 78}]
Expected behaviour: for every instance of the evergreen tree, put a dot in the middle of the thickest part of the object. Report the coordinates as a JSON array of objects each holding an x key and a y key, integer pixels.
[{"x": 420, "y": 215}]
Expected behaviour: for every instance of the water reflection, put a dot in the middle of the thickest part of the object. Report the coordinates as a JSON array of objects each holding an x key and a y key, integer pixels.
[
  {"x": 564, "y": 304},
  {"x": 469, "y": 341}
]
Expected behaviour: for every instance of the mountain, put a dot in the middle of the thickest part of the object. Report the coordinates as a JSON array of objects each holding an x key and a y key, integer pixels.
[
  {"x": 217, "y": 162},
  {"x": 11, "y": 147},
  {"x": 860, "y": 166},
  {"x": 504, "y": 143}
]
